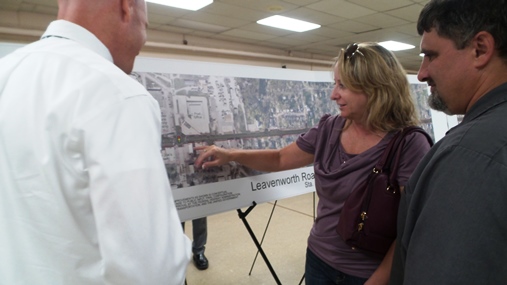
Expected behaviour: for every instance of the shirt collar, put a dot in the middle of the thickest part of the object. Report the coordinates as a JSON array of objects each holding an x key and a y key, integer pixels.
[
  {"x": 491, "y": 99},
  {"x": 74, "y": 32}
]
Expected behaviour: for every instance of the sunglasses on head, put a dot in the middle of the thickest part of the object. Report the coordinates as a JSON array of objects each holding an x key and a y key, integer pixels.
[{"x": 351, "y": 50}]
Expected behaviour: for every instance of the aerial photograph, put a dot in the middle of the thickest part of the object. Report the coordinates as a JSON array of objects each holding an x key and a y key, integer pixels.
[{"x": 232, "y": 112}]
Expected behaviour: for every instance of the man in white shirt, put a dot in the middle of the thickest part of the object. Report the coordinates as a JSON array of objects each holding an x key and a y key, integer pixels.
[{"x": 84, "y": 196}]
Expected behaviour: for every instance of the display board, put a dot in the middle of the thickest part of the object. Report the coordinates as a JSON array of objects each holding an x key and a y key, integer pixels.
[{"x": 232, "y": 106}]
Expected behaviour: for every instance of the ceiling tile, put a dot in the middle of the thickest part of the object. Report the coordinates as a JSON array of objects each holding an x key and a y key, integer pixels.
[
  {"x": 307, "y": 37},
  {"x": 182, "y": 23},
  {"x": 313, "y": 16},
  {"x": 382, "y": 5},
  {"x": 331, "y": 32},
  {"x": 235, "y": 11},
  {"x": 341, "y": 8},
  {"x": 338, "y": 42},
  {"x": 219, "y": 20},
  {"x": 165, "y": 10},
  {"x": 409, "y": 29},
  {"x": 247, "y": 35},
  {"x": 271, "y": 6},
  {"x": 409, "y": 13},
  {"x": 378, "y": 36},
  {"x": 262, "y": 29},
  {"x": 381, "y": 20},
  {"x": 301, "y": 2},
  {"x": 354, "y": 27}
]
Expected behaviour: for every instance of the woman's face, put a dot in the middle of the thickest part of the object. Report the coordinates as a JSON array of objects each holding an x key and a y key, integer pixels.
[{"x": 352, "y": 104}]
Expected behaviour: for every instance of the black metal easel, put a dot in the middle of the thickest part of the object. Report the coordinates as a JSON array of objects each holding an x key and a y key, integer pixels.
[
  {"x": 263, "y": 235},
  {"x": 242, "y": 216}
]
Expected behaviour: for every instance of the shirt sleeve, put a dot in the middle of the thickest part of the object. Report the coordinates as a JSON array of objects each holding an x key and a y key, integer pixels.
[
  {"x": 139, "y": 232},
  {"x": 414, "y": 148},
  {"x": 307, "y": 142}
]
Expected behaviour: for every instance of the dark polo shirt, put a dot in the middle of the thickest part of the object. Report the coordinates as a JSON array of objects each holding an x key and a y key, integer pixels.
[{"x": 452, "y": 224}]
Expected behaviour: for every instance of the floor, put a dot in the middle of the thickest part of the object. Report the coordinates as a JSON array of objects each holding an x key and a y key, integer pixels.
[{"x": 231, "y": 251}]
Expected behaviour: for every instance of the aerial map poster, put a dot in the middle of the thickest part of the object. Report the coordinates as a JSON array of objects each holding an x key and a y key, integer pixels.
[
  {"x": 232, "y": 106},
  {"x": 237, "y": 106}
]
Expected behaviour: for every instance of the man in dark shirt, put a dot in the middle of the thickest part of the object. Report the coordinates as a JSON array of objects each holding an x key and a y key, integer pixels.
[{"x": 452, "y": 224}]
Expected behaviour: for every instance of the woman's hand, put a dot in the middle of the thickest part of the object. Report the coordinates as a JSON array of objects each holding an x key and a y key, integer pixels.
[{"x": 211, "y": 156}]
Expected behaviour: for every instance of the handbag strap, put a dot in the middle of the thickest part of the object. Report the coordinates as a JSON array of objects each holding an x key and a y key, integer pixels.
[
  {"x": 379, "y": 167},
  {"x": 408, "y": 130},
  {"x": 393, "y": 150}
]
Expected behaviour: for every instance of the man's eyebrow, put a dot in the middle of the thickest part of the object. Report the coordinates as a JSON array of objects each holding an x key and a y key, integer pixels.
[{"x": 426, "y": 51}]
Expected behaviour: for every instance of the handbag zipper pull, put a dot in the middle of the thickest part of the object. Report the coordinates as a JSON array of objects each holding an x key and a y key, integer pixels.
[{"x": 361, "y": 225}]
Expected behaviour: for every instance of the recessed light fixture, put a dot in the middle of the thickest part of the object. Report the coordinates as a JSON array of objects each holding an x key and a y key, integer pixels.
[
  {"x": 394, "y": 46},
  {"x": 193, "y": 5},
  {"x": 287, "y": 23}
]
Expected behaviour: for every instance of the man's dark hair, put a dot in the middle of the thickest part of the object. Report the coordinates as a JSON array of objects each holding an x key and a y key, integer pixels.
[{"x": 461, "y": 20}]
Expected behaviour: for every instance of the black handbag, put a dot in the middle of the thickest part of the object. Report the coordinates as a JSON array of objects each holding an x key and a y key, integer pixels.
[{"x": 368, "y": 218}]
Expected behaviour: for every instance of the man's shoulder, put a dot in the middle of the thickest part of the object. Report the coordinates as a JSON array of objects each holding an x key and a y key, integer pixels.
[{"x": 86, "y": 67}]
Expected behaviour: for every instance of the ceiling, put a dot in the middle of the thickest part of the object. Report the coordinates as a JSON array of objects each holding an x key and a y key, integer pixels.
[{"x": 234, "y": 22}]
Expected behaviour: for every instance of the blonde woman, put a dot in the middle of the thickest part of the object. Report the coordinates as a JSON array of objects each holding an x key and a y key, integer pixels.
[{"x": 372, "y": 92}]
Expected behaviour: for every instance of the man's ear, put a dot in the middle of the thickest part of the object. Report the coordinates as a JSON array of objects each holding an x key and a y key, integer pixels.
[
  {"x": 484, "y": 46},
  {"x": 126, "y": 10}
]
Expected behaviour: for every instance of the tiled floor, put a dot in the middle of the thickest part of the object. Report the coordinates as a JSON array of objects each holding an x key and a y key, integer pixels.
[{"x": 231, "y": 250}]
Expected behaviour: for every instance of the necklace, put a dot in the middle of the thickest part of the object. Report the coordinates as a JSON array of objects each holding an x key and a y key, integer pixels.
[{"x": 343, "y": 156}]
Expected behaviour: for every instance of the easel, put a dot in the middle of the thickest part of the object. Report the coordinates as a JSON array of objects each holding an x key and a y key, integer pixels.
[{"x": 242, "y": 216}]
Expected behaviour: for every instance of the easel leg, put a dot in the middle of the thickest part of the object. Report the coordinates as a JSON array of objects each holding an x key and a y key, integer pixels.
[
  {"x": 302, "y": 278},
  {"x": 242, "y": 216},
  {"x": 263, "y": 235}
]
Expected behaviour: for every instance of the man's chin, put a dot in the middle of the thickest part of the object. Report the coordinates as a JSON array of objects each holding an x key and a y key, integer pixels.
[{"x": 437, "y": 103}]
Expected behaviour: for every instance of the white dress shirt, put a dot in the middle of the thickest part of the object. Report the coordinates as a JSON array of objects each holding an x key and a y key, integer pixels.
[{"x": 84, "y": 195}]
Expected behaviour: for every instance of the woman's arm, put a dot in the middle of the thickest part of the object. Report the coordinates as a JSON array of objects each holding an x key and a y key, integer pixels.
[
  {"x": 268, "y": 160},
  {"x": 383, "y": 272}
]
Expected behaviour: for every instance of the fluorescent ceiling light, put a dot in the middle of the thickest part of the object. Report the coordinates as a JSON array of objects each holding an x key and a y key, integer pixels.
[
  {"x": 287, "y": 23},
  {"x": 394, "y": 46},
  {"x": 193, "y": 5}
]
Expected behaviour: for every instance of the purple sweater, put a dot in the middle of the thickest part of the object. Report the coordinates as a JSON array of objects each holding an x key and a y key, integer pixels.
[{"x": 335, "y": 179}]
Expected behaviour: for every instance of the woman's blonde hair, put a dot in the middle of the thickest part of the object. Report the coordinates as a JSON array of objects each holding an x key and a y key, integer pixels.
[{"x": 374, "y": 71}]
